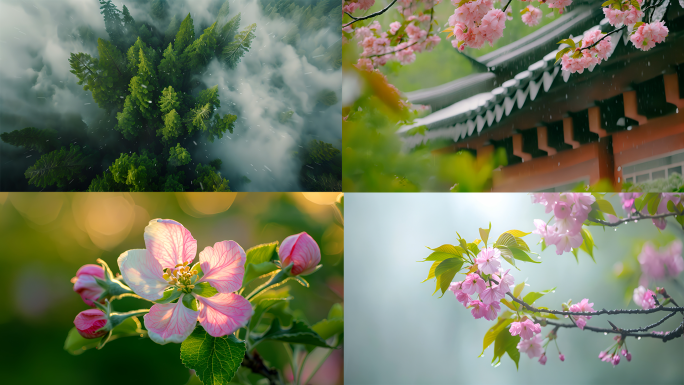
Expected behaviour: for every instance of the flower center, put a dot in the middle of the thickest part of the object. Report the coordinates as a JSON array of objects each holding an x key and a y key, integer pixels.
[{"x": 181, "y": 277}]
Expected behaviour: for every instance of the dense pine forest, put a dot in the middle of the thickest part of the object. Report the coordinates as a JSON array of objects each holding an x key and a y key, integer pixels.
[{"x": 156, "y": 112}]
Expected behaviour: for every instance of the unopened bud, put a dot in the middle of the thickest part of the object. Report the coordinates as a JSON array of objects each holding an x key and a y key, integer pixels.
[{"x": 91, "y": 323}]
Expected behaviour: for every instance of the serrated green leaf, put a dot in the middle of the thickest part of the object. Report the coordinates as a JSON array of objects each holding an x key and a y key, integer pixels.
[
  {"x": 641, "y": 202},
  {"x": 522, "y": 245},
  {"x": 262, "y": 253},
  {"x": 473, "y": 248},
  {"x": 671, "y": 207},
  {"x": 298, "y": 333},
  {"x": 507, "y": 255},
  {"x": 484, "y": 233},
  {"x": 256, "y": 270},
  {"x": 431, "y": 274},
  {"x": 449, "y": 249},
  {"x": 215, "y": 360},
  {"x": 493, "y": 332},
  {"x": 327, "y": 328},
  {"x": 605, "y": 206},
  {"x": 513, "y": 352},
  {"x": 504, "y": 343},
  {"x": 521, "y": 255},
  {"x": 266, "y": 300}
]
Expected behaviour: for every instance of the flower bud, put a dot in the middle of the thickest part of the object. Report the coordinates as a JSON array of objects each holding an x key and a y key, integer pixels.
[
  {"x": 91, "y": 323},
  {"x": 302, "y": 251},
  {"x": 616, "y": 359},
  {"x": 86, "y": 285},
  {"x": 542, "y": 359},
  {"x": 602, "y": 354},
  {"x": 628, "y": 356},
  {"x": 561, "y": 356}
]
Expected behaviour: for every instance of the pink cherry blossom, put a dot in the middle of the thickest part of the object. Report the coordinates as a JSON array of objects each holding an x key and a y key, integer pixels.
[
  {"x": 561, "y": 356},
  {"x": 366, "y": 4},
  {"x": 628, "y": 201},
  {"x": 558, "y": 4},
  {"x": 473, "y": 283},
  {"x": 478, "y": 310},
  {"x": 461, "y": 297},
  {"x": 506, "y": 281},
  {"x": 615, "y": 16},
  {"x": 562, "y": 210},
  {"x": 394, "y": 27},
  {"x": 644, "y": 297},
  {"x": 582, "y": 307},
  {"x": 492, "y": 294},
  {"x": 90, "y": 322},
  {"x": 492, "y": 25},
  {"x": 164, "y": 264},
  {"x": 628, "y": 356},
  {"x": 564, "y": 242},
  {"x": 491, "y": 310},
  {"x": 526, "y": 329},
  {"x": 85, "y": 284},
  {"x": 663, "y": 262},
  {"x": 616, "y": 359},
  {"x": 633, "y": 15},
  {"x": 301, "y": 250},
  {"x": 647, "y": 35},
  {"x": 532, "y": 17},
  {"x": 488, "y": 260},
  {"x": 602, "y": 354},
  {"x": 533, "y": 346},
  {"x": 542, "y": 359},
  {"x": 541, "y": 228}
]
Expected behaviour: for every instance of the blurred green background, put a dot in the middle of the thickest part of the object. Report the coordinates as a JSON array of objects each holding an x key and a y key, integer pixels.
[
  {"x": 398, "y": 333},
  {"x": 46, "y": 237}
]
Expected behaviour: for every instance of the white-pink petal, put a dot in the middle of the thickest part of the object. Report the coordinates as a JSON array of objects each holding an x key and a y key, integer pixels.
[
  {"x": 169, "y": 242},
  {"x": 142, "y": 273},
  {"x": 170, "y": 322},
  {"x": 224, "y": 313},
  {"x": 223, "y": 266}
]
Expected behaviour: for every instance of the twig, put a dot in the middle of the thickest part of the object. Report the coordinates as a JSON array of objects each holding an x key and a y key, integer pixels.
[
  {"x": 372, "y": 15},
  {"x": 599, "y": 312},
  {"x": 603, "y": 37},
  {"x": 633, "y": 218},
  {"x": 677, "y": 332},
  {"x": 504, "y": 8}
]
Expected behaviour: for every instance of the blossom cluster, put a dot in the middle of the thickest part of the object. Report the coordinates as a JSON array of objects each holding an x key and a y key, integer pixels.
[
  {"x": 625, "y": 13},
  {"x": 475, "y": 22},
  {"x": 570, "y": 211},
  {"x": 612, "y": 354},
  {"x": 531, "y": 15},
  {"x": 660, "y": 263},
  {"x": 647, "y": 35},
  {"x": 488, "y": 292},
  {"x": 628, "y": 205},
  {"x": 594, "y": 48},
  {"x": 404, "y": 38}
]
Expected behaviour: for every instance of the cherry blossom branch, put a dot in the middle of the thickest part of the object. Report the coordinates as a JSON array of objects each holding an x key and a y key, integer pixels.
[
  {"x": 652, "y": 12},
  {"x": 432, "y": 13},
  {"x": 507, "y": 4},
  {"x": 372, "y": 15},
  {"x": 603, "y": 37},
  {"x": 632, "y": 218},
  {"x": 598, "y": 312},
  {"x": 677, "y": 332}
]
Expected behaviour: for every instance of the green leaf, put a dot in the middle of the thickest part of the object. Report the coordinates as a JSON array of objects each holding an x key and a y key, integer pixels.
[
  {"x": 204, "y": 289},
  {"x": 266, "y": 300},
  {"x": 512, "y": 350},
  {"x": 641, "y": 202},
  {"x": 451, "y": 263},
  {"x": 518, "y": 289},
  {"x": 214, "y": 359},
  {"x": 507, "y": 255},
  {"x": 517, "y": 233},
  {"x": 301, "y": 281},
  {"x": 256, "y": 270},
  {"x": 445, "y": 279},
  {"x": 336, "y": 311},
  {"x": 522, "y": 245},
  {"x": 653, "y": 204},
  {"x": 521, "y": 255},
  {"x": 506, "y": 239},
  {"x": 569, "y": 42},
  {"x": 671, "y": 207},
  {"x": 484, "y": 233},
  {"x": 75, "y": 344},
  {"x": 190, "y": 302},
  {"x": 562, "y": 52},
  {"x": 605, "y": 206},
  {"x": 574, "y": 252},
  {"x": 588, "y": 243},
  {"x": 439, "y": 256},
  {"x": 493, "y": 332},
  {"x": 262, "y": 253},
  {"x": 511, "y": 305},
  {"x": 535, "y": 295},
  {"x": 449, "y": 249},
  {"x": 329, "y": 328},
  {"x": 431, "y": 274},
  {"x": 506, "y": 343},
  {"x": 298, "y": 333}
]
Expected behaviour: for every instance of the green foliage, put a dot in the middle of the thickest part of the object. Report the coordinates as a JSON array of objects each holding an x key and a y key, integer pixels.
[
  {"x": 227, "y": 33},
  {"x": 173, "y": 126},
  {"x": 57, "y": 167},
  {"x": 113, "y": 23},
  {"x": 321, "y": 152},
  {"x": 75, "y": 344},
  {"x": 130, "y": 119},
  {"x": 172, "y": 30},
  {"x": 221, "y": 125},
  {"x": 674, "y": 183},
  {"x": 169, "y": 100},
  {"x": 105, "y": 183},
  {"x": 159, "y": 9},
  {"x": 185, "y": 36},
  {"x": 32, "y": 138},
  {"x": 262, "y": 253},
  {"x": 133, "y": 55},
  {"x": 209, "y": 96},
  {"x": 198, "y": 117},
  {"x": 170, "y": 68},
  {"x": 143, "y": 87},
  {"x": 135, "y": 171},
  {"x": 234, "y": 51},
  {"x": 298, "y": 333},
  {"x": 214, "y": 359},
  {"x": 210, "y": 180},
  {"x": 173, "y": 182},
  {"x": 201, "y": 50},
  {"x": 178, "y": 156},
  {"x": 108, "y": 86},
  {"x": 285, "y": 116}
]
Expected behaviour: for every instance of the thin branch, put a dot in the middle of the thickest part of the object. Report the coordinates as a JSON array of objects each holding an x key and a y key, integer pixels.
[
  {"x": 504, "y": 8},
  {"x": 652, "y": 12},
  {"x": 677, "y": 332},
  {"x": 432, "y": 13},
  {"x": 651, "y": 326},
  {"x": 633, "y": 218},
  {"x": 256, "y": 365},
  {"x": 599, "y": 312},
  {"x": 603, "y": 37},
  {"x": 372, "y": 15}
]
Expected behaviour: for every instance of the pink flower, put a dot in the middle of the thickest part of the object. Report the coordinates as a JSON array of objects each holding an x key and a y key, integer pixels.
[
  {"x": 673, "y": 258},
  {"x": 633, "y": 15},
  {"x": 542, "y": 359},
  {"x": 647, "y": 35},
  {"x": 460, "y": 295},
  {"x": 532, "y": 17},
  {"x": 478, "y": 310},
  {"x": 541, "y": 228},
  {"x": 473, "y": 283},
  {"x": 628, "y": 201},
  {"x": 394, "y": 27},
  {"x": 561, "y": 356},
  {"x": 615, "y": 16},
  {"x": 90, "y": 323},
  {"x": 301, "y": 250},
  {"x": 492, "y": 25},
  {"x": 628, "y": 356},
  {"x": 602, "y": 354},
  {"x": 506, "y": 281},
  {"x": 350, "y": 7},
  {"x": 526, "y": 329},
  {"x": 164, "y": 265},
  {"x": 492, "y": 294},
  {"x": 562, "y": 210},
  {"x": 558, "y": 4},
  {"x": 366, "y": 4},
  {"x": 532, "y": 347},
  {"x": 404, "y": 54},
  {"x": 491, "y": 310},
  {"x": 85, "y": 284},
  {"x": 488, "y": 260},
  {"x": 564, "y": 242},
  {"x": 644, "y": 297},
  {"x": 666, "y": 261},
  {"x": 582, "y": 307},
  {"x": 616, "y": 359}
]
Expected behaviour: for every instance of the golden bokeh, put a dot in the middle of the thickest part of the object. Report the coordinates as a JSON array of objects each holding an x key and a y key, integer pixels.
[
  {"x": 3, "y": 197},
  {"x": 39, "y": 208},
  {"x": 107, "y": 217},
  {"x": 202, "y": 204},
  {"x": 321, "y": 198}
]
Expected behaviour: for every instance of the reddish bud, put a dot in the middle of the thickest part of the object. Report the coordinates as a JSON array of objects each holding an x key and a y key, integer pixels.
[
  {"x": 85, "y": 284},
  {"x": 90, "y": 322},
  {"x": 301, "y": 250},
  {"x": 561, "y": 356},
  {"x": 542, "y": 359}
]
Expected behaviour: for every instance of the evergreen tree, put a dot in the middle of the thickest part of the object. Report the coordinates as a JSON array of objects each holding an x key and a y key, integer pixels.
[
  {"x": 113, "y": 23},
  {"x": 133, "y": 55},
  {"x": 173, "y": 126},
  {"x": 223, "y": 12},
  {"x": 234, "y": 51},
  {"x": 227, "y": 33},
  {"x": 178, "y": 156},
  {"x": 105, "y": 183},
  {"x": 185, "y": 36},
  {"x": 32, "y": 138},
  {"x": 173, "y": 182},
  {"x": 201, "y": 50},
  {"x": 169, "y": 100},
  {"x": 136, "y": 172},
  {"x": 170, "y": 68},
  {"x": 172, "y": 30},
  {"x": 198, "y": 117},
  {"x": 143, "y": 87},
  {"x": 57, "y": 167},
  {"x": 129, "y": 26},
  {"x": 130, "y": 119},
  {"x": 108, "y": 89},
  {"x": 209, "y": 180},
  {"x": 221, "y": 125},
  {"x": 159, "y": 9},
  {"x": 327, "y": 97}
]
